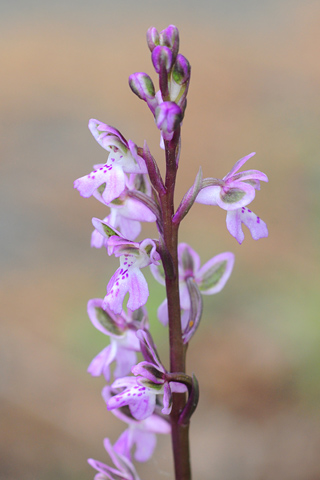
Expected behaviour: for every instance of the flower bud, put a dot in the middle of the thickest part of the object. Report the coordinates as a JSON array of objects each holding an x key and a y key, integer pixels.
[
  {"x": 181, "y": 70},
  {"x": 169, "y": 37},
  {"x": 168, "y": 116},
  {"x": 142, "y": 85},
  {"x": 162, "y": 58},
  {"x": 152, "y": 38}
]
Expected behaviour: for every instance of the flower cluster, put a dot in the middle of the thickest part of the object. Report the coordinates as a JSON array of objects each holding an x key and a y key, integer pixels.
[{"x": 143, "y": 393}]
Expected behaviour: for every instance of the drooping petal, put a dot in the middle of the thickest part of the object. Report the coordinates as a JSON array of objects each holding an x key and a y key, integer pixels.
[
  {"x": 213, "y": 275},
  {"x": 125, "y": 360},
  {"x": 97, "y": 240},
  {"x": 100, "y": 364},
  {"x": 115, "y": 183},
  {"x": 145, "y": 444},
  {"x": 257, "y": 227},
  {"x": 138, "y": 289},
  {"x": 124, "y": 444},
  {"x": 111, "y": 175}
]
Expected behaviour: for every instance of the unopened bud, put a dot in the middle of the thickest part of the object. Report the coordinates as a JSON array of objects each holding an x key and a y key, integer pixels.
[
  {"x": 142, "y": 85},
  {"x": 153, "y": 38},
  {"x": 168, "y": 116},
  {"x": 169, "y": 37},
  {"x": 162, "y": 58},
  {"x": 181, "y": 70}
]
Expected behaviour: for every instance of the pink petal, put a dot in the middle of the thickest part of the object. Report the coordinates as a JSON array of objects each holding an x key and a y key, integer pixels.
[
  {"x": 257, "y": 227},
  {"x": 238, "y": 165}
]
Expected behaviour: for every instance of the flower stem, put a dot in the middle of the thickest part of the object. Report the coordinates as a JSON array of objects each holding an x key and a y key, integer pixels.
[{"x": 179, "y": 433}]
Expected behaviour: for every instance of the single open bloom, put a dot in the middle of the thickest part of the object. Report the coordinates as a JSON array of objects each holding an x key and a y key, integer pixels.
[
  {"x": 123, "y": 158},
  {"x": 123, "y": 341},
  {"x": 140, "y": 434},
  {"x": 195, "y": 281},
  {"x": 128, "y": 277},
  {"x": 235, "y": 190}
]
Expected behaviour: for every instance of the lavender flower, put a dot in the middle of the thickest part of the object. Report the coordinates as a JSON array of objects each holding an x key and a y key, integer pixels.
[
  {"x": 233, "y": 193},
  {"x": 125, "y": 470},
  {"x": 127, "y": 278},
  {"x": 123, "y": 341},
  {"x": 207, "y": 280},
  {"x": 123, "y": 158},
  {"x": 140, "y": 435}
]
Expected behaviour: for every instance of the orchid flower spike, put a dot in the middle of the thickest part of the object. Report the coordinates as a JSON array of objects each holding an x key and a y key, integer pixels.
[{"x": 110, "y": 177}]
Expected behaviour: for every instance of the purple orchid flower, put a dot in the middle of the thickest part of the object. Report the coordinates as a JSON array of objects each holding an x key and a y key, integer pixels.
[
  {"x": 235, "y": 190},
  {"x": 139, "y": 434},
  {"x": 207, "y": 280},
  {"x": 123, "y": 158},
  {"x": 123, "y": 341},
  {"x": 126, "y": 212},
  {"x": 233, "y": 193},
  {"x": 140, "y": 393},
  {"x": 128, "y": 277},
  {"x": 124, "y": 470}
]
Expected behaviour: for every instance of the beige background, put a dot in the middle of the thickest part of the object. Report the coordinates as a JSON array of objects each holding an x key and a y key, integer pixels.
[{"x": 255, "y": 87}]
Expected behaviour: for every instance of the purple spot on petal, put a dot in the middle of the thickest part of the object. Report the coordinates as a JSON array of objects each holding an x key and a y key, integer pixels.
[
  {"x": 258, "y": 219},
  {"x": 93, "y": 177},
  {"x": 249, "y": 211}
]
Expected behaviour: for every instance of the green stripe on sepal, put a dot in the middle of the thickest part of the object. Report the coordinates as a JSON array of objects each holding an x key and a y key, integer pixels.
[{"x": 107, "y": 322}]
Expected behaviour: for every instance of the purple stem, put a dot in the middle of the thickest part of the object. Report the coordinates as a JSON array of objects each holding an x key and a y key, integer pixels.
[{"x": 179, "y": 432}]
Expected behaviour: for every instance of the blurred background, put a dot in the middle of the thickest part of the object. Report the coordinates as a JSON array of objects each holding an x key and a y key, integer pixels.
[{"x": 254, "y": 87}]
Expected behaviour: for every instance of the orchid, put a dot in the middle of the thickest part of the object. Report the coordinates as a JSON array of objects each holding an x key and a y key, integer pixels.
[
  {"x": 140, "y": 393},
  {"x": 235, "y": 190},
  {"x": 123, "y": 158},
  {"x": 139, "y": 434},
  {"x": 126, "y": 211},
  {"x": 149, "y": 397},
  {"x": 123, "y": 341},
  {"x": 125, "y": 470},
  {"x": 127, "y": 278},
  {"x": 195, "y": 280}
]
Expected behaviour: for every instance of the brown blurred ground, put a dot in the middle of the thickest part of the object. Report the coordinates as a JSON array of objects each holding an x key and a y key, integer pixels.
[{"x": 255, "y": 86}]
